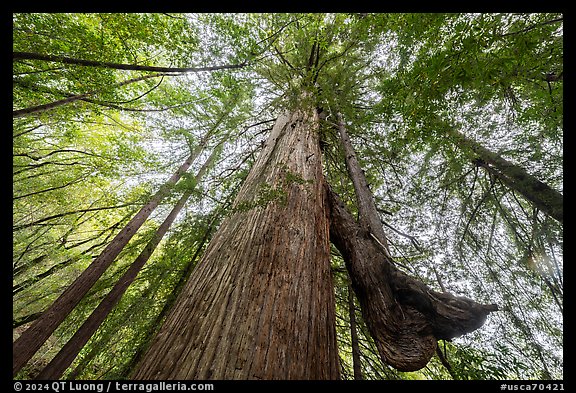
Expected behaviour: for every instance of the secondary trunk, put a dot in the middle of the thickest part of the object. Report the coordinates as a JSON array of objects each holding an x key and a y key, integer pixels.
[
  {"x": 260, "y": 303},
  {"x": 32, "y": 339},
  {"x": 157, "y": 322},
  {"x": 369, "y": 219},
  {"x": 515, "y": 177},
  {"x": 403, "y": 315}
]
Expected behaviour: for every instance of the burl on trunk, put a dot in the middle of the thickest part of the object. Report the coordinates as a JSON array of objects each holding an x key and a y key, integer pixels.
[{"x": 260, "y": 303}]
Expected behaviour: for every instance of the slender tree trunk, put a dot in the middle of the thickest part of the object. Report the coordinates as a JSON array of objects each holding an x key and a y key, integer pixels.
[
  {"x": 356, "y": 364},
  {"x": 260, "y": 303},
  {"x": 369, "y": 218},
  {"x": 72, "y": 348},
  {"x": 32, "y": 339},
  {"x": 109, "y": 337},
  {"x": 170, "y": 301},
  {"x": 538, "y": 193}
]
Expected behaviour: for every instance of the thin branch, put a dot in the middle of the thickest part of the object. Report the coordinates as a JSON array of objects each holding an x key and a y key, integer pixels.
[
  {"x": 51, "y": 189},
  {"x": 172, "y": 16},
  {"x": 39, "y": 71},
  {"x": 444, "y": 361},
  {"x": 534, "y": 26},
  {"x": 387, "y": 254},
  {"x": 54, "y": 104},
  {"x": 107, "y": 104},
  {"x": 411, "y": 238},
  {"x": 36, "y": 166},
  {"x": 27, "y": 130},
  {"x": 438, "y": 279},
  {"x": 118, "y": 66},
  {"x": 16, "y": 228},
  {"x": 273, "y": 37},
  {"x": 484, "y": 196},
  {"x": 55, "y": 152},
  {"x": 283, "y": 58},
  {"x": 25, "y": 319}
]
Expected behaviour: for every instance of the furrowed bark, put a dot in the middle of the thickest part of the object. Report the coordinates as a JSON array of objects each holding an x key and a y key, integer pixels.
[
  {"x": 403, "y": 315},
  {"x": 260, "y": 303}
]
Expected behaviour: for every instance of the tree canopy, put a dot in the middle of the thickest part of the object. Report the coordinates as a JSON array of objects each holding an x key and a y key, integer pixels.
[{"x": 456, "y": 119}]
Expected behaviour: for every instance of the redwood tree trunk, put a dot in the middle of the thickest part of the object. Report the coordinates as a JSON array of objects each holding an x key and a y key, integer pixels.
[
  {"x": 403, "y": 315},
  {"x": 260, "y": 303}
]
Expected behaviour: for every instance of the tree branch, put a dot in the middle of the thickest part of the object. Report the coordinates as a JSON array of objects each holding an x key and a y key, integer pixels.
[
  {"x": 534, "y": 26},
  {"x": 54, "y": 104},
  {"x": 118, "y": 66},
  {"x": 19, "y": 227}
]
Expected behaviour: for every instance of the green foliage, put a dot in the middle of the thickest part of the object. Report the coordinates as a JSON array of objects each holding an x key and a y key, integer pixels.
[
  {"x": 469, "y": 363},
  {"x": 400, "y": 81}
]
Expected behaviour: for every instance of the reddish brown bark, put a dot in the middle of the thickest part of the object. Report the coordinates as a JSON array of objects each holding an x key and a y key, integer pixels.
[
  {"x": 260, "y": 303},
  {"x": 403, "y": 315}
]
